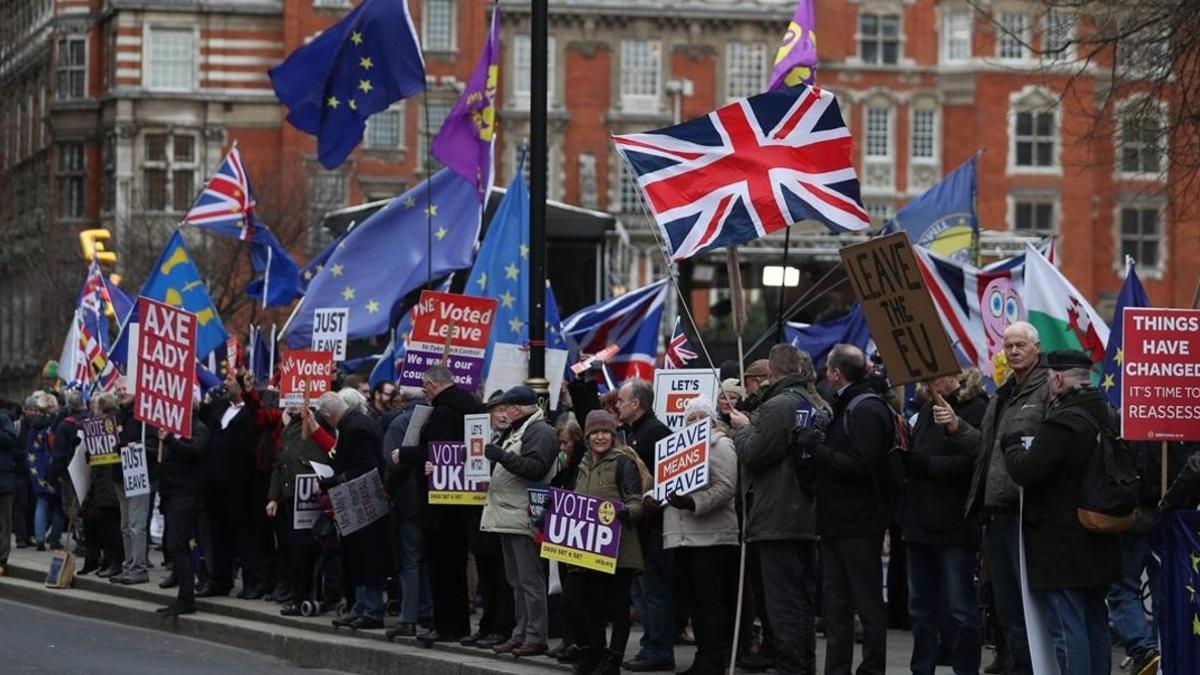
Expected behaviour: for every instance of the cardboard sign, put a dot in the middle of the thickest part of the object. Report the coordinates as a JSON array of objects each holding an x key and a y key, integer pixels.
[
  {"x": 1160, "y": 375},
  {"x": 305, "y": 507},
  {"x": 166, "y": 367},
  {"x": 358, "y": 503},
  {"x": 100, "y": 440},
  {"x": 134, "y": 471},
  {"x": 477, "y": 430},
  {"x": 582, "y": 530},
  {"x": 448, "y": 484},
  {"x": 681, "y": 461},
  {"x": 674, "y": 388},
  {"x": 465, "y": 321},
  {"x": 601, "y": 356},
  {"x": 510, "y": 366},
  {"x": 899, "y": 309},
  {"x": 304, "y": 372},
  {"x": 330, "y": 326}
]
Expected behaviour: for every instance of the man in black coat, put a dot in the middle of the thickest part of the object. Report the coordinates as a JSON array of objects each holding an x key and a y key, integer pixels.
[
  {"x": 942, "y": 544},
  {"x": 852, "y": 512},
  {"x": 8, "y": 469},
  {"x": 181, "y": 483},
  {"x": 1069, "y": 567},
  {"x": 401, "y": 482}
]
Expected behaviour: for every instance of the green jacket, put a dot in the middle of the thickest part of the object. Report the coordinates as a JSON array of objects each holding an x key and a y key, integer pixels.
[
  {"x": 598, "y": 477},
  {"x": 529, "y": 454}
]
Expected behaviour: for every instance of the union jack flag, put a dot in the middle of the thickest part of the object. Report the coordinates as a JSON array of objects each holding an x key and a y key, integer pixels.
[
  {"x": 748, "y": 169},
  {"x": 629, "y": 321},
  {"x": 227, "y": 198},
  {"x": 679, "y": 350}
]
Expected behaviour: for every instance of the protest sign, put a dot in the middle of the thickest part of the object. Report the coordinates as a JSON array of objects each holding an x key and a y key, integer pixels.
[
  {"x": 681, "y": 461},
  {"x": 582, "y": 530},
  {"x": 305, "y": 507},
  {"x": 80, "y": 473},
  {"x": 304, "y": 374},
  {"x": 539, "y": 496},
  {"x": 359, "y": 502},
  {"x": 674, "y": 388},
  {"x": 133, "y": 470},
  {"x": 510, "y": 366},
  {"x": 462, "y": 321},
  {"x": 166, "y": 367},
  {"x": 100, "y": 440},
  {"x": 1160, "y": 375},
  {"x": 599, "y": 357},
  {"x": 420, "y": 415},
  {"x": 899, "y": 310},
  {"x": 330, "y": 325},
  {"x": 477, "y": 431},
  {"x": 448, "y": 484},
  {"x": 804, "y": 413},
  {"x": 231, "y": 353}
]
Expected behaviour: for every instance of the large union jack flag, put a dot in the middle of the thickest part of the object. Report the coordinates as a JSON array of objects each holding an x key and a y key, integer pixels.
[
  {"x": 629, "y": 321},
  {"x": 227, "y": 199},
  {"x": 748, "y": 169},
  {"x": 679, "y": 349}
]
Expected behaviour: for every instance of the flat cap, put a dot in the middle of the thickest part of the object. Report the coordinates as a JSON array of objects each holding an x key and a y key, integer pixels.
[
  {"x": 1067, "y": 359},
  {"x": 518, "y": 395}
]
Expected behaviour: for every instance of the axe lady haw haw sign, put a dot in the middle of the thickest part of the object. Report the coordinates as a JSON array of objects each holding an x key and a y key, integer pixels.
[{"x": 166, "y": 367}]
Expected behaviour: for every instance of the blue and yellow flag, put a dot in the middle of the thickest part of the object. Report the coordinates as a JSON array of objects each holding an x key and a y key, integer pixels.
[
  {"x": 355, "y": 68},
  {"x": 1176, "y": 540},
  {"x": 175, "y": 280},
  {"x": 943, "y": 219},
  {"x": 1132, "y": 295}
]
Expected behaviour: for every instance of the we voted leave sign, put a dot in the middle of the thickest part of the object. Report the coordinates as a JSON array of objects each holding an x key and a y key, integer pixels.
[
  {"x": 673, "y": 389},
  {"x": 681, "y": 461},
  {"x": 304, "y": 374},
  {"x": 448, "y": 484},
  {"x": 581, "y": 530},
  {"x": 451, "y": 326}
]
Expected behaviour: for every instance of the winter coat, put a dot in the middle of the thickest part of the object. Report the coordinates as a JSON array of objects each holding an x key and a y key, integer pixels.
[
  {"x": 851, "y": 467},
  {"x": 8, "y": 454},
  {"x": 530, "y": 451},
  {"x": 1184, "y": 491},
  {"x": 714, "y": 522},
  {"x": 107, "y": 479},
  {"x": 641, "y": 436},
  {"x": 401, "y": 479},
  {"x": 1017, "y": 407},
  {"x": 939, "y": 474},
  {"x": 779, "y": 508},
  {"x": 293, "y": 460},
  {"x": 1059, "y": 552},
  {"x": 232, "y": 456},
  {"x": 615, "y": 477},
  {"x": 181, "y": 473},
  {"x": 39, "y": 455},
  {"x": 445, "y": 424}
]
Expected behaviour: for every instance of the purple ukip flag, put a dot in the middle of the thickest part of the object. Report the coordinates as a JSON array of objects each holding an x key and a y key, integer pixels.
[
  {"x": 796, "y": 60},
  {"x": 464, "y": 143}
]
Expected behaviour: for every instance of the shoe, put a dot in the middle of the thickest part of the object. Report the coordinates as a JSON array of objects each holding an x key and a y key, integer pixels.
[
  {"x": 344, "y": 621},
  {"x": 210, "y": 591},
  {"x": 531, "y": 649},
  {"x": 569, "y": 655},
  {"x": 610, "y": 664},
  {"x": 169, "y": 582},
  {"x": 640, "y": 665},
  {"x": 489, "y": 641},
  {"x": 41, "y": 546},
  {"x": 589, "y": 658},
  {"x": 289, "y": 609},
  {"x": 401, "y": 630},
  {"x": 177, "y": 609},
  {"x": 365, "y": 623},
  {"x": 999, "y": 665},
  {"x": 252, "y": 594},
  {"x": 89, "y": 566},
  {"x": 755, "y": 663},
  {"x": 472, "y": 639},
  {"x": 110, "y": 571},
  {"x": 684, "y": 639},
  {"x": 24, "y": 544},
  {"x": 131, "y": 579},
  {"x": 429, "y": 638},
  {"x": 506, "y": 647},
  {"x": 115, "y": 579},
  {"x": 1146, "y": 664},
  {"x": 559, "y": 650},
  {"x": 2, "y": 570}
]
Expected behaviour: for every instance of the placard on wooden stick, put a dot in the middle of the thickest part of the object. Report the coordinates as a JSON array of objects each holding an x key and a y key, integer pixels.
[{"x": 899, "y": 309}]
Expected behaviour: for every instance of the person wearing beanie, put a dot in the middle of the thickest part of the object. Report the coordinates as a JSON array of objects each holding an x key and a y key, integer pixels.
[
  {"x": 732, "y": 394},
  {"x": 595, "y": 599}
]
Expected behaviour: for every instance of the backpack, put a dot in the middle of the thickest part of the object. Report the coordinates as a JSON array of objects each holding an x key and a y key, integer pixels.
[
  {"x": 892, "y": 480},
  {"x": 1110, "y": 484}
]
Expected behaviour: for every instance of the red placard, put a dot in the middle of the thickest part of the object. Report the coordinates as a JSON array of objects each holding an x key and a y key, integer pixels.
[
  {"x": 472, "y": 318},
  {"x": 1160, "y": 374},
  {"x": 166, "y": 367},
  {"x": 302, "y": 373}
]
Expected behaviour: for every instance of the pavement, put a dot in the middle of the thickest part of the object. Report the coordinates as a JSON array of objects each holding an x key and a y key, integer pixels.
[{"x": 255, "y": 626}]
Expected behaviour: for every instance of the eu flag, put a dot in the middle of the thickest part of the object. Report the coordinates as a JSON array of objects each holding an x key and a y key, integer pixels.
[
  {"x": 355, "y": 68},
  {"x": 1176, "y": 541},
  {"x": 175, "y": 280},
  {"x": 269, "y": 258},
  {"x": 384, "y": 258},
  {"x": 819, "y": 338},
  {"x": 1132, "y": 295},
  {"x": 501, "y": 271},
  {"x": 943, "y": 219}
]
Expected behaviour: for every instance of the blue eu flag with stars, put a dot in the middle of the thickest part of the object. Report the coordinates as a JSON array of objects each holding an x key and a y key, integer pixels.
[
  {"x": 355, "y": 68},
  {"x": 501, "y": 271},
  {"x": 1132, "y": 295},
  {"x": 175, "y": 281}
]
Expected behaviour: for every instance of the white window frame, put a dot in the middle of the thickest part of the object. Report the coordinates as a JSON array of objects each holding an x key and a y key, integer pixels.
[
  {"x": 935, "y": 149},
  {"x": 150, "y": 60},
  {"x": 1034, "y": 99},
  {"x": 1033, "y": 199},
  {"x": 373, "y": 123},
  {"x": 1148, "y": 271},
  {"x": 169, "y": 166},
  {"x": 522, "y": 65},
  {"x": 633, "y": 98},
  {"x": 745, "y": 69},
  {"x": 952, "y": 33},
  {"x": 1012, "y": 45},
  {"x": 67, "y": 172},
  {"x": 447, "y": 42},
  {"x": 889, "y": 113},
  {"x": 879, "y": 38},
  {"x": 61, "y": 68},
  {"x": 1137, "y": 102},
  {"x": 1144, "y": 58},
  {"x": 1048, "y": 29},
  {"x": 880, "y": 210},
  {"x": 335, "y": 4}
]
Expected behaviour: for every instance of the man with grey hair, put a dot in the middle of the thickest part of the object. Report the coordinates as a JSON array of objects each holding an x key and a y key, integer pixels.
[{"x": 1018, "y": 408}]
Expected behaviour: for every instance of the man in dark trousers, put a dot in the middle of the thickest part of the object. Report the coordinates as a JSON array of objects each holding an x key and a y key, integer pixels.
[
  {"x": 230, "y": 469},
  {"x": 1069, "y": 567},
  {"x": 181, "y": 483},
  {"x": 652, "y": 588}
]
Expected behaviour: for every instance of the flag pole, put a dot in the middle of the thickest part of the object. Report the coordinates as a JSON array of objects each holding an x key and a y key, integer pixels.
[
  {"x": 267, "y": 279},
  {"x": 428, "y": 193},
  {"x": 787, "y": 241},
  {"x": 537, "y": 201},
  {"x": 271, "y": 351}
]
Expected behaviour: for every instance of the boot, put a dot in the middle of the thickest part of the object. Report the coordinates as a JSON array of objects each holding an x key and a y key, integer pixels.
[
  {"x": 1001, "y": 665},
  {"x": 609, "y": 664},
  {"x": 589, "y": 658}
]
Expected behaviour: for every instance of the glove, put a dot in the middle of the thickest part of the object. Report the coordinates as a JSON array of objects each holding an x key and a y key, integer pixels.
[
  {"x": 808, "y": 438},
  {"x": 493, "y": 452},
  {"x": 918, "y": 465},
  {"x": 650, "y": 506},
  {"x": 681, "y": 502},
  {"x": 1011, "y": 439},
  {"x": 331, "y": 482},
  {"x": 624, "y": 515}
]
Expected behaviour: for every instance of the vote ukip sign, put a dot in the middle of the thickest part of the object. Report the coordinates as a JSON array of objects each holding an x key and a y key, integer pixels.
[
  {"x": 462, "y": 321},
  {"x": 1160, "y": 374},
  {"x": 582, "y": 530},
  {"x": 166, "y": 367},
  {"x": 448, "y": 484}
]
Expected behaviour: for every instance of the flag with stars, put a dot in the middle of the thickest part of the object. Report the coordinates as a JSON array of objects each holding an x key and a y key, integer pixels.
[
  {"x": 353, "y": 69},
  {"x": 1132, "y": 295},
  {"x": 465, "y": 141},
  {"x": 384, "y": 258},
  {"x": 1175, "y": 540},
  {"x": 943, "y": 219},
  {"x": 501, "y": 271},
  {"x": 317, "y": 263}
]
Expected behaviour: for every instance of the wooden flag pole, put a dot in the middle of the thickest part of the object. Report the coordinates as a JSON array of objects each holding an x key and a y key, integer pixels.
[
  {"x": 446, "y": 347},
  {"x": 737, "y": 302}
]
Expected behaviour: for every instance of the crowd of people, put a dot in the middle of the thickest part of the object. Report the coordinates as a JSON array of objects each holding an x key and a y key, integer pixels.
[{"x": 820, "y": 507}]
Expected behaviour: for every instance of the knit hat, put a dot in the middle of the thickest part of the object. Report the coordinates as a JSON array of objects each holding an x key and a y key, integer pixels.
[
  {"x": 700, "y": 404},
  {"x": 599, "y": 420},
  {"x": 731, "y": 386}
]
